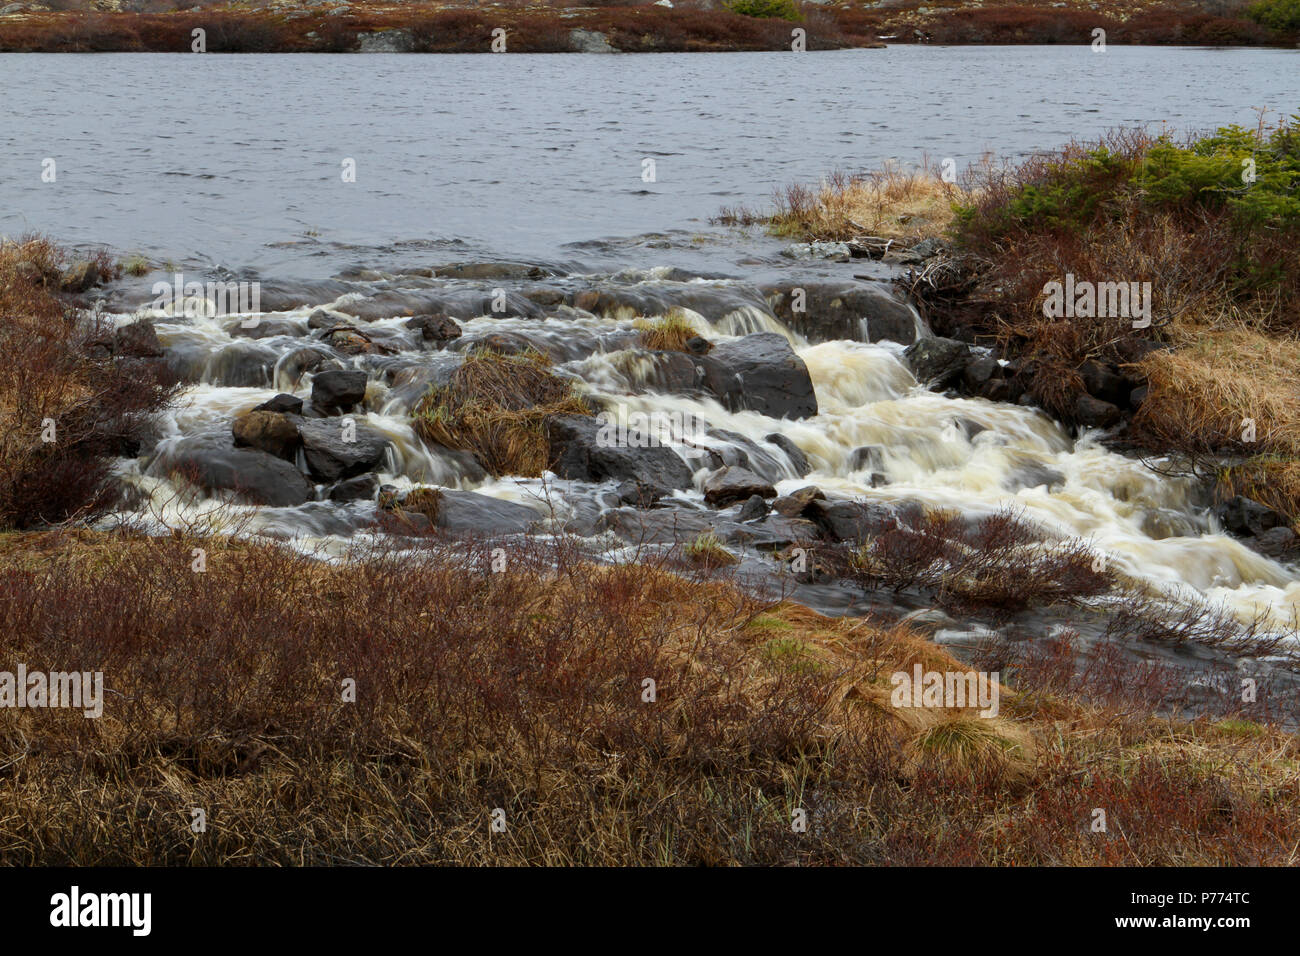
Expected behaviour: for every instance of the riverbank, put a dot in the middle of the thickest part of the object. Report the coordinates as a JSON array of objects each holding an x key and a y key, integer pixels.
[
  {"x": 703, "y": 27},
  {"x": 419, "y": 707}
]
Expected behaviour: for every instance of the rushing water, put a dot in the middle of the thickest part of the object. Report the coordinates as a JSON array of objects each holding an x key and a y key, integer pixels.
[{"x": 235, "y": 161}]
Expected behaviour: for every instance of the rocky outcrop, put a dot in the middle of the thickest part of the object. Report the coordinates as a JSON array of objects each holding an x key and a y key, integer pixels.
[
  {"x": 338, "y": 390},
  {"x": 589, "y": 41},
  {"x": 762, "y": 373},
  {"x": 339, "y": 448},
  {"x": 251, "y": 476},
  {"x": 733, "y": 483},
  {"x": 830, "y": 311},
  {"x": 579, "y": 450}
]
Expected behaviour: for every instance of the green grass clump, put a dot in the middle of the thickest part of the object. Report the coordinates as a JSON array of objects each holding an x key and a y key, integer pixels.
[{"x": 766, "y": 9}]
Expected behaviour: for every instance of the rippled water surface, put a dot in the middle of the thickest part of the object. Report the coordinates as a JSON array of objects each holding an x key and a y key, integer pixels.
[{"x": 226, "y": 159}]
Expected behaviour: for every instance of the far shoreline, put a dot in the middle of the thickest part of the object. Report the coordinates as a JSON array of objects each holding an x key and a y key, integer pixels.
[{"x": 435, "y": 28}]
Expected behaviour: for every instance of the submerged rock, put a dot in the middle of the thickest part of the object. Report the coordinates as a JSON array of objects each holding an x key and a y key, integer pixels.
[{"x": 252, "y": 476}]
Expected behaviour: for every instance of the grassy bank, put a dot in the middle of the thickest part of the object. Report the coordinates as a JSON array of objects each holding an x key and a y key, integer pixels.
[
  {"x": 691, "y": 25},
  {"x": 521, "y": 696}
]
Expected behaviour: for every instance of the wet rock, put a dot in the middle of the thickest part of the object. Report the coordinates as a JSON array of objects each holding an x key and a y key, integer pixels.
[
  {"x": 698, "y": 345},
  {"x": 1166, "y": 523},
  {"x": 352, "y": 341},
  {"x": 338, "y": 390},
  {"x": 867, "y": 458},
  {"x": 437, "y": 330},
  {"x": 462, "y": 304},
  {"x": 503, "y": 343},
  {"x": 360, "y": 488},
  {"x": 1105, "y": 383},
  {"x": 263, "y": 327},
  {"x": 1094, "y": 413},
  {"x": 578, "y": 453},
  {"x": 287, "y": 295},
  {"x": 252, "y": 476},
  {"x": 979, "y": 372},
  {"x": 139, "y": 340},
  {"x": 638, "y": 494},
  {"x": 492, "y": 270},
  {"x": 761, "y": 373},
  {"x": 1033, "y": 475},
  {"x": 833, "y": 251},
  {"x": 753, "y": 509},
  {"x": 680, "y": 524},
  {"x": 796, "y": 502},
  {"x": 672, "y": 372},
  {"x": 79, "y": 277},
  {"x": 339, "y": 448},
  {"x": 1279, "y": 543},
  {"x": 320, "y": 319},
  {"x": 284, "y": 403},
  {"x": 849, "y": 520},
  {"x": 1243, "y": 516},
  {"x": 1137, "y": 396},
  {"x": 467, "y": 512},
  {"x": 858, "y": 311},
  {"x": 746, "y": 453},
  {"x": 938, "y": 362},
  {"x": 733, "y": 483},
  {"x": 546, "y": 297},
  {"x": 798, "y": 460},
  {"x": 299, "y": 362},
  {"x": 272, "y": 432}
]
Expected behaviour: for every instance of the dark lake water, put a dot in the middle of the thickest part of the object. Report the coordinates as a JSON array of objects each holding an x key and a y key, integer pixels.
[{"x": 237, "y": 160}]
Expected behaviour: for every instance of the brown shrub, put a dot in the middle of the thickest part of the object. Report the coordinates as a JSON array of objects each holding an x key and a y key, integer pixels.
[{"x": 65, "y": 412}]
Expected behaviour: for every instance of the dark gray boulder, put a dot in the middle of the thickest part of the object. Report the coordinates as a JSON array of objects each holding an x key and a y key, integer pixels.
[
  {"x": 581, "y": 451},
  {"x": 467, "y": 512},
  {"x": 762, "y": 373},
  {"x": 733, "y": 483},
  {"x": 859, "y": 311},
  {"x": 339, "y": 448},
  {"x": 937, "y": 362},
  {"x": 338, "y": 390},
  {"x": 252, "y": 476},
  {"x": 798, "y": 460}
]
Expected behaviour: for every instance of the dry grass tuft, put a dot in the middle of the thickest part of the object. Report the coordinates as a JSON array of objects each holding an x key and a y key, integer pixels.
[
  {"x": 496, "y": 406},
  {"x": 670, "y": 332}
]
